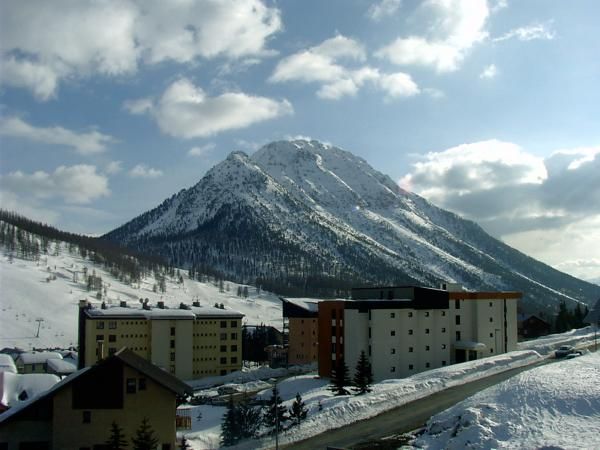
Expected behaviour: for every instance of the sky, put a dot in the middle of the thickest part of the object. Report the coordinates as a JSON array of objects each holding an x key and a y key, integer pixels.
[{"x": 486, "y": 108}]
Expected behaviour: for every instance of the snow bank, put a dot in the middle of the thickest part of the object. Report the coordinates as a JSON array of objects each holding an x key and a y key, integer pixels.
[{"x": 547, "y": 344}]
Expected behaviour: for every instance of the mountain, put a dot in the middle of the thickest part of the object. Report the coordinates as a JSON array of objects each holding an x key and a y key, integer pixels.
[{"x": 306, "y": 218}]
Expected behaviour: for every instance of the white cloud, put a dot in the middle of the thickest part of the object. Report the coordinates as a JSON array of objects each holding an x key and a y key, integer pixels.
[
  {"x": 185, "y": 111},
  {"x": 74, "y": 184},
  {"x": 489, "y": 72},
  {"x": 201, "y": 150},
  {"x": 143, "y": 171},
  {"x": 583, "y": 155},
  {"x": 530, "y": 33},
  {"x": 434, "y": 93},
  {"x": 28, "y": 207},
  {"x": 83, "y": 143},
  {"x": 114, "y": 167},
  {"x": 321, "y": 64},
  {"x": 455, "y": 26},
  {"x": 382, "y": 9},
  {"x": 44, "y": 43},
  {"x": 139, "y": 106}
]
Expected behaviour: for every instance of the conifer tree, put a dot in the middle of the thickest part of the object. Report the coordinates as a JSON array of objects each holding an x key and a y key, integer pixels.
[
  {"x": 116, "y": 441},
  {"x": 275, "y": 414},
  {"x": 340, "y": 377},
  {"x": 144, "y": 437},
  {"x": 363, "y": 377},
  {"x": 298, "y": 411},
  {"x": 249, "y": 419},
  {"x": 230, "y": 431}
]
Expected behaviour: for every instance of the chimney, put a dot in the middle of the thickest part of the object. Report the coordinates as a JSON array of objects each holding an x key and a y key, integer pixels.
[
  {"x": 123, "y": 304},
  {"x": 196, "y": 303},
  {"x": 103, "y": 305},
  {"x": 160, "y": 305},
  {"x": 83, "y": 304}
]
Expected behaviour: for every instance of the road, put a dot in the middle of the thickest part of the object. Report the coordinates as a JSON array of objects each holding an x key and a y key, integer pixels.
[{"x": 404, "y": 418}]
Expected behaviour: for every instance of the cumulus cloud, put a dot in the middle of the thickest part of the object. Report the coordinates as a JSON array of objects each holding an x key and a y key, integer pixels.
[
  {"x": 143, "y": 171},
  {"x": 382, "y": 9},
  {"x": 454, "y": 28},
  {"x": 489, "y": 72},
  {"x": 83, "y": 143},
  {"x": 327, "y": 65},
  {"x": 201, "y": 150},
  {"x": 78, "y": 184},
  {"x": 529, "y": 33},
  {"x": 114, "y": 167},
  {"x": 44, "y": 43},
  {"x": 186, "y": 111},
  {"x": 514, "y": 195}
]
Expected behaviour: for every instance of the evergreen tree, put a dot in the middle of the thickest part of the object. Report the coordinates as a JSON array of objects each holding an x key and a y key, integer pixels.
[
  {"x": 275, "y": 414},
  {"x": 249, "y": 419},
  {"x": 116, "y": 441},
  {"x": 230, "y": 429},
  {"x": 340, "y": 377},
  {"x": 298, "y": 411},
  {"x": 363, "y": 377},
  {"x": 144, "y": 437}
]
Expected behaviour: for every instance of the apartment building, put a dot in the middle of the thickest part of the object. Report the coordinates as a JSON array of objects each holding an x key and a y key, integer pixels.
[
  {"x": 190, "y": 342},
  {"x": 300, "y": 323},
  {"x": 405, "y": 330}
]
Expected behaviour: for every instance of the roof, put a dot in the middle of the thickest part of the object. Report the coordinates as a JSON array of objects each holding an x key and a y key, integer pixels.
[
  {"x": 593, "y": 316},
  {"x": 120, "y": 312},
  {"x": 38, "y": 357},
  {"x": 496, "y": 295},
  {"x": 61, "y": 366},
  {"x": 128, "y": 358},
  {"x": 7, "y": 364},
  {"x": 16, "y": 388}
]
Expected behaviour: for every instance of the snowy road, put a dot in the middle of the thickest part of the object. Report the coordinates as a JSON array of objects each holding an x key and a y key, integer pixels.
[{"x": 404, "y": 418}]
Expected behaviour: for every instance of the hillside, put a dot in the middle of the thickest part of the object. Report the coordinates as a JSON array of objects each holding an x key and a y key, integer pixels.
[
  {"x": 308, "y": 219},
  {"x": 50, "y": 286}
]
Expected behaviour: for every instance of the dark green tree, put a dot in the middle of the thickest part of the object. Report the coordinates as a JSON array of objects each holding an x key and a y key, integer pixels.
[
  {"x": 116, "y": 441},
  {"x": 340, "y": 377},
  {"x": 298, "y": 411},
  {"x": 275, "y": 414},
  {"x": 230, "y": 428},
  {"x": 144, "y": 437},
  {"x": 249, "y": 418},
  {"x": 363, "y": 377}
]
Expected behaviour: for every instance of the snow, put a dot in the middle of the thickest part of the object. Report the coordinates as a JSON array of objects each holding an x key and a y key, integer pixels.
[
  {"x": 26, "y": 386},
  {"x": 38, "y": 357},
  {"x": 7, "y": 364},
  {"x": 554, "y": 406}
]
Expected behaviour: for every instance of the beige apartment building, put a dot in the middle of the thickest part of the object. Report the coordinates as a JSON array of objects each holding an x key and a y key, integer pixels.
[
  {"x": 406, "y": 330},
  {"x": 190, "y": 342},
  {"x": 301, "y": 322}
]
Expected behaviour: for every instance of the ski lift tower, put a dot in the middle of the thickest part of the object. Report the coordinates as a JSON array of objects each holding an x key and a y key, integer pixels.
[{"x": 39, "y": 320}]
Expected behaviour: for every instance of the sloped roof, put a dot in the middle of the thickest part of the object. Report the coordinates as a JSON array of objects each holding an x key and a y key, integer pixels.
[
  {"x": 38, "y": 357},
  {"x": 61, "y": 366},
  {"x": 7, "y": 364},
  {"x": 13, "y": 385}
]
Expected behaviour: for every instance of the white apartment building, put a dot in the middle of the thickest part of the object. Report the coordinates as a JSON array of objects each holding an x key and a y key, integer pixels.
[{"x": 406, "y": 330}]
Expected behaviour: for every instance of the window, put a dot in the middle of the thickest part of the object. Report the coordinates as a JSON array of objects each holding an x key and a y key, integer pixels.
[
  {"x": 333, "y": 347},
  {"x": 491, "y": 319},
  {"x": 172, "y": 357},
  {"x": 427, "y": 365},
  {"x": 333, "y": 330},
  {"x": 427, "y": 348},
  {"x": 86, "y": 417},
  {"x": 223, "y": 360},
  {"x": 491, "y": 350},
  {"x": 410, "y": 331},
  {"x": 223, "y": 372},
  {"x": 426, "y": 330},
  {"x": 172, "y": 331},
  {"x": 443, "y": 313},
  {"x": 457, "y": 304},
  {"x": 393, "y": 351},
  {"x": 393, "y": 333},
  {"x": 443, "y": 329},
  {"x": 99, "y": 325},
  {"x": 223, "y": 324},
  {"x": 410, "y": 367},
  {"x": 457, "y": 320},
  {"x": 172, "y": 345},
  {"x": 458, "y": 335},
  {"x": 392, "y": 315},
  {"x": 223, "y": 348},
  {"x": 112, "y": 338},
  {"x": 443, "y": 363},
  {"x": 393, "y": 369},
  {"x": 443, "y": 346},
  {"x": 223, "y": 336},
  {"x": 99, "y": 337},
  {"x": 141, "y": 384},
  {"x": 112, "y": 324},
  {"x": 426, "y": 313},
  {"x": 491, "y": 335},
  {"x": 112, "y": 351},
  {"x": 233, "y": 336},
  {"x": 234, "y": 348},
  {"x": 410, "y": 314},
  {"x": 233, "y": 324},
  {"x": 410, "y": 349},
  {"x": 369, "y": 332},
  {"x": 333, "y": 314},
  {"x": 130, "y": 385},
  {"x": 234, "y": 360}
]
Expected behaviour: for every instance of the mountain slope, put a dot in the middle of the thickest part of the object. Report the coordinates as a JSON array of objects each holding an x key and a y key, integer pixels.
[{"x": 310, "y": 219}]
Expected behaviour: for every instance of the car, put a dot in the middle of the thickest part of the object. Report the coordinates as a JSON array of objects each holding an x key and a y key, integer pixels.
[
  {"x": 563, "y": 351},
  {"x": 574, "y": 354}
]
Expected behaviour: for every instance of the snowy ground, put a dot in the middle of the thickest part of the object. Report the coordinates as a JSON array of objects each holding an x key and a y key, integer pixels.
[
  {"x": 556, "y": 406},
  {"x": 27, "y": 295}
]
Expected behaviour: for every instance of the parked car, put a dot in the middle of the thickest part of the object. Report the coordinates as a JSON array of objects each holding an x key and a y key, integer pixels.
[
  {"x": 574, "y": 354},
  {"x": 563, "y": 351}
]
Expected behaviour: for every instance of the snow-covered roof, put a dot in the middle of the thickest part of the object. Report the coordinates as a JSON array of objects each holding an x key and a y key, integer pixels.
[
  {"x": 38, "y": 357},
  {"x": 161, "y": 313},
  {"x": 61, "y": 366},
  {"x": 310, "y": 304},
  {"x": 17, "y": 388},
  {"x": 7, "y": 364}
]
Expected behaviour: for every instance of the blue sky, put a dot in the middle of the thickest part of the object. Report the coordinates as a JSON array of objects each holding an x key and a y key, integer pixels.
[{"x": 487, "y": 108}]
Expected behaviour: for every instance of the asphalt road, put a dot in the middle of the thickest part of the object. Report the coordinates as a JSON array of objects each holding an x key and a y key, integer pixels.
[{"x": 404, "y": 418}]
